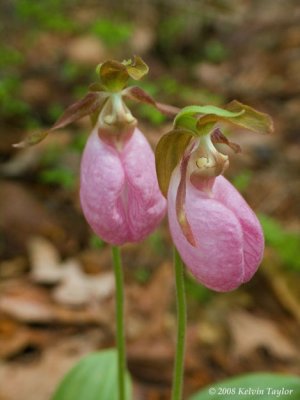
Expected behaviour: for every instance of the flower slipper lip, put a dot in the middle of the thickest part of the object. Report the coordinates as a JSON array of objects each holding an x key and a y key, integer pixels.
[
  {"x": 119, "y": 193},
  {"x": 229, "y": 240}
]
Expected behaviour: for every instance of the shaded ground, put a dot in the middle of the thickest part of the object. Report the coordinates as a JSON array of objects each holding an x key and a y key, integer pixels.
[{"x": 57, "y": 292}]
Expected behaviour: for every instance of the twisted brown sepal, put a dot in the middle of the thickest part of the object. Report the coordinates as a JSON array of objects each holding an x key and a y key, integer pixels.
[
  {"x": 170, "y": 151},
  {"x": 138, "y": 94},
  {"x": 180, "y": 203},
  {"x": 218, "y": 137},
  {"x": 90, "y": 104}
]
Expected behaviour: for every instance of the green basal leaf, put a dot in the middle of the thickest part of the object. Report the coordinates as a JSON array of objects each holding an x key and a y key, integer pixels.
[
  {"x": 264, "y": 386},
  {"x": 94, "y": 377},
  {"x": 168, "y": 153},
  {"x": 246, "y": 117}
]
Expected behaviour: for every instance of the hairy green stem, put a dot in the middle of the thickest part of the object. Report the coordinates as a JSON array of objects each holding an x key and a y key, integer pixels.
[
  {"x": 178, "y": 373},
  {"x": 120, "y": 332}
]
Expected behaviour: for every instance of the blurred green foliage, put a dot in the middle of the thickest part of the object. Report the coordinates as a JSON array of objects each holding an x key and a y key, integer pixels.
[
  {"x": 79, "y": 91},
  {"x": 286, "y": 244},
  {"x": 60, "y": 176},
  {"x": 11, "y": 105},
  {"x": 142, "y": 275},
  {"x": 170, "y": 29},
  {"x": 151, "y": 114},
  {"x": 214, "y": 51},
  {"x": 54, "y": 111},
  {"x": 53, "y": 172},
  {"x": 10, "y": 57},
  {"x": 170, "y": 90},
  {"x": 47, "y": 15},
  {"x": 112, "y": 33},
  {"x": 70, "y": 71},
  {"x": 78, "y": 142},
  {"x": 156, "y": 243},
  {"x": 242, "y": 180},
  {"x": 52, "y": 155},
  {"x": 196, "y": 291}
]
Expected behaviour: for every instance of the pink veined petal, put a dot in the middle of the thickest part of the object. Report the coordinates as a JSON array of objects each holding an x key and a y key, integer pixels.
[
  {"x": 229, "y": 238},
  {"x": 119, "y": 191},
  {"x": 253, "y": 237},
  {"x": 217, "y": 261},
  {"x": 147, "y": 206},
  {"x": 100, "y": 195}
]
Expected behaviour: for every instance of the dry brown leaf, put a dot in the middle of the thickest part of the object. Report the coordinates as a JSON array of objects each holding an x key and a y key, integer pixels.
[
  {"x": 285, "y": 284},
  {"x": 37, "y": 380},
  {"x": 45, "y": 261},
  {"x": 149, "y": 305},
  {"x": 250, "y": 332},
  {"x": 30, "y": 304},
  {"x": 77, "y": 288},
  {"x": 27, "y": 217},
  {"x": 13, "y": 267},
  {"x": 152, "y": 361},
  {"x": 13, "y": 337}
]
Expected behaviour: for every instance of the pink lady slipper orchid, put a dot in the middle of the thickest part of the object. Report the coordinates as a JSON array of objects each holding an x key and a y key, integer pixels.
[
  {"x": 216, "y": 233},
  {"x": 119, "y": 192}
]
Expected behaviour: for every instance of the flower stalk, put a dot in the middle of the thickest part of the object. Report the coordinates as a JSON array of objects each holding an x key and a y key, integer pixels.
[
  {"x": 120, "y": 331},
  {"x": 178, "y": 373}
]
